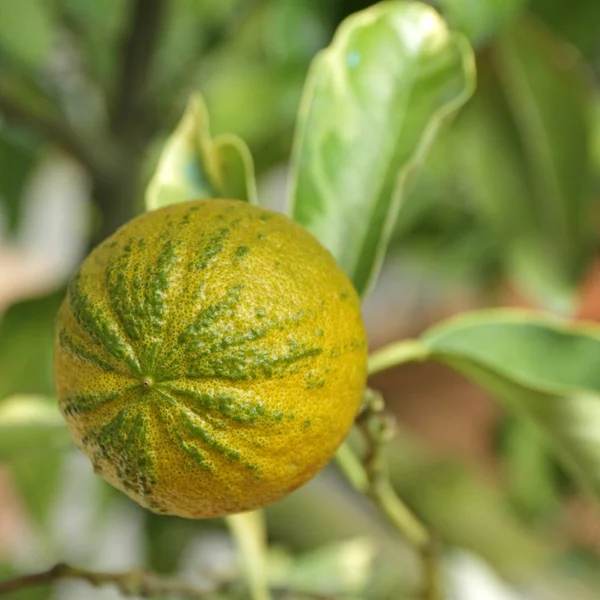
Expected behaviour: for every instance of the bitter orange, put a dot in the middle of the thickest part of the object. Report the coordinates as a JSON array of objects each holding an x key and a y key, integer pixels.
[{"x": 210, "y": 358}]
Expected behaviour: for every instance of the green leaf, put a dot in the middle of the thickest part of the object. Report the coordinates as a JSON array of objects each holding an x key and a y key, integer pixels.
[
  {"x": 530, "y": 471},
  {"x": 372, "y": 104},
  {"x": 465, "y": 509},
  {"x": 167, "y": 540},
  {"x": 27, "y": 346},
  {"x": 480, "y": 20},
  {"x": 193, "y": 165},
  {"x": 33, "y": 440},
  {"x": 30, "y": 425},
  {"x": 577, "y": 22},
  {"x": 18, "y": 156},
  {"x": 97, "y": 29},
  {"x": 523, "y": 161},
  {"x": 343, "y": 568},
  {"x": 548, "y": 91},
  {"x": 26, "y": 31},
  {"x": 541, "y": 368}
]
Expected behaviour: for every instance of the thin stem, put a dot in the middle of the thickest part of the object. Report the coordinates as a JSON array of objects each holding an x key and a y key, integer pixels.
[
  {"x": 432, "y": 585},
  {"x": 130, "y": 583},
  {"x": 371, "y": 477},
  {"x": 396, "y": 354},
  {"x": 249, "y": 531},
  {"x": 378, "y": 428}
]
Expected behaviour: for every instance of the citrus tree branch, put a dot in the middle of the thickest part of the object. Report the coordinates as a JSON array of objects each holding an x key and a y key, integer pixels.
[
  {"x": 370, "y": 476},
  {"x": 138, "y": 50},
  {"x": 130, "y": 583}
]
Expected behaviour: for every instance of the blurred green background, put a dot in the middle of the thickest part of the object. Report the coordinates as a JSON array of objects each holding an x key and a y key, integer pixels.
[{"x": 504, "y": 212}]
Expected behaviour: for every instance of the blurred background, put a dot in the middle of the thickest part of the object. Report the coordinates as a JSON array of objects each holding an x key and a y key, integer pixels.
[{"x": 505, "y": 212}]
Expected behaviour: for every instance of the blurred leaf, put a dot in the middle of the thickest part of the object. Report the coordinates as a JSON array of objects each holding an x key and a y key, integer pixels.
[
  {"x": 167, "y": 539},
  {"x": 17, "y": 159},
  {"x": 466, "y": 509},
  {"x": 193, "y": 165},
  {"x": 294, "y": 30},
  {"x": 509, "y": 183},
  {"x": 530, "y": 471},
  {"x": 33, "y": 439},
  {"x": 578, "y": 22},
  {"x": 106, "y": 17},
  {"x": 342, "y": 568},
  {"x": 596, "y": 136},
  {"x": 372, "y": 104},
  {"x": 37, "y": 479},
  {"x": 27, "y": 346},
  {"x": 523, "y": 159},
  {"x": 95, "y": 28},
  {"x": 191, "y": 31},
  {"x": 437, "y": 230},
  {"x": 549, "y": 95},
  {"x": 540, "y": 367},
  {"x": 30, "y": 425},
  {"x": 26, "y": 31},
  {"x": 480, "y": 20},
  {"x": 272, "y": 92}
]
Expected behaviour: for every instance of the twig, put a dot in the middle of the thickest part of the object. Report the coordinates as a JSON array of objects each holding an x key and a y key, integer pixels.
[
  {"x": 133, "y": 583},
  {"x": 371, "y": 477},
  {"x": 130, "y": 583},
  {"x": 138, "y": 51}
]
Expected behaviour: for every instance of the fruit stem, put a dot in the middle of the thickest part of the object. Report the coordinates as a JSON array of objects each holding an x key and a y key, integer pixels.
[
  {"x": 370, "y": 476},
  {"x": 249, "y": 531}
]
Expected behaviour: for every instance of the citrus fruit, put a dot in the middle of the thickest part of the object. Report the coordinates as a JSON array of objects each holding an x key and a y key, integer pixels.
[{"x": 210, "y": 358}]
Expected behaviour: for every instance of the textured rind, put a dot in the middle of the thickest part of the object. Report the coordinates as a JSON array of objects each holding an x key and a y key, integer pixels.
[{"x": 210, "y": 358}]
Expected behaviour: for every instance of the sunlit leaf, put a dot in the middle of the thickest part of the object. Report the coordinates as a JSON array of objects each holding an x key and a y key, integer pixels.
[
  {"x": 372, "y": 104},
  {"x": 541, "y": 368},
  {"x": 194, "y": 165}
]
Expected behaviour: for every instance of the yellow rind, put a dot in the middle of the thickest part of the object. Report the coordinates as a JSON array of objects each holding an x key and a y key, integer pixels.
[{"x": 262, "y": 405}]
